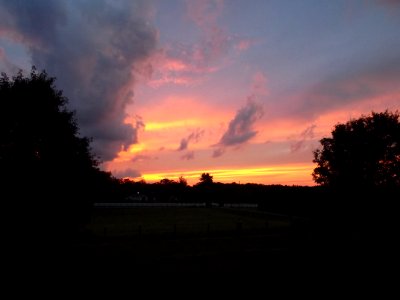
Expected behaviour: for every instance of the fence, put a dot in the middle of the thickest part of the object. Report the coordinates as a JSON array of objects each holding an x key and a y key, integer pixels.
[{"x": 161, "y": 204}]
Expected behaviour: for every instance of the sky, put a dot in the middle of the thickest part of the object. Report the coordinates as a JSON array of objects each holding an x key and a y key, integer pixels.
[{"x": 241, "y": 89}]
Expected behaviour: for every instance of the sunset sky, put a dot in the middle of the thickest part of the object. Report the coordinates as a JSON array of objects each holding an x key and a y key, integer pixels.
[{"x": 242, "y": 89}]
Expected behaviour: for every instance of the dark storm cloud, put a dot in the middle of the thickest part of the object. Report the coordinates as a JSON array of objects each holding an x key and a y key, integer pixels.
[
  {"x": 240, "y": 129},
  {"x": 94, "y": 49}
]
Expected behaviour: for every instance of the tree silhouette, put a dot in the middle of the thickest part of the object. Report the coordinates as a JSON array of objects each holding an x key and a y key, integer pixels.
[
  {"x": 206, "y": 179},
  {"x": 361, "y": 153},
  {"x": 48, "y": 174},
  {"x": 182, "y": 181}
]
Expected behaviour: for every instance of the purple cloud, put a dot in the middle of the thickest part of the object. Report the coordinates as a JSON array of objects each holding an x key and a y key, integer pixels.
[
  {"x": 240, "y": 129},
  {"x": 188, "y": 156},
  {"x": 127, "y": 173},
  {"x": 307, "y": 134},
  {"x": 193, "y": 137}
]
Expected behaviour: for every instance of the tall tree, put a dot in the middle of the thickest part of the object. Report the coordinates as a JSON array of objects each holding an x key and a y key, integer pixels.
[
  {"x": 364, "y": 152},
  {"x": 47, "y": 171}
]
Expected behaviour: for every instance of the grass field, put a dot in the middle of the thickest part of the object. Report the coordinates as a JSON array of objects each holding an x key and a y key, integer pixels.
[
  {"x": 176, "y": 239},
  {"x": 116, "y": 222},
  {"x": 181, "y": 239}
]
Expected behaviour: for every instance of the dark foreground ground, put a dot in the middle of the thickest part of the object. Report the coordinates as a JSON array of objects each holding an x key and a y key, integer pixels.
[{"x": 197, "y": 240}]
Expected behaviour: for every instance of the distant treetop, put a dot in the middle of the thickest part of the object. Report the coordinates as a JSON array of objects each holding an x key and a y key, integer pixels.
[{"x": 206, "y": 179}]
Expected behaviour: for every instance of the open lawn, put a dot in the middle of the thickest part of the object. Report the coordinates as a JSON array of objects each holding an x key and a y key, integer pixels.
[
  {"x": 182, "y": 239},
  {"x": 114, "y": 222},
  {"x": 179, "y": 239}
]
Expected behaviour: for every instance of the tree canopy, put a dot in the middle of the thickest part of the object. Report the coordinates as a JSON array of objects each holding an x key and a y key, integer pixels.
[
  {"x": 206, "y": 179},
  {"x": 47, "y": 169},
  {"x": 364, "y": 152}
]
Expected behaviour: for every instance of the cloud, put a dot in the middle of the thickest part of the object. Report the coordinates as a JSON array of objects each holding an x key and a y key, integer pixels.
[
  {"x": 194, "y": 136},
  {"x": 242, "y": 44},
  {"x": 218, "y": 152},
  {"x": 126, "y": 173},
  {"x": 215, "y": 42},
  {"x": 240, "y": 129},
  {"x": 183, "y": 145},
  {"x": 188, "y": 156},
  {"x": 259, "y": 85},
  {"x": 181, "y": 63},
  {"x": 95, "y": 50},
  {"x": 359, "y": 82},
  {"x": 5, "y": 64},
  {"x": 307, "y": 134},
  {"x": 142, "y": 157},
  {"x": 390, "y": 3}
]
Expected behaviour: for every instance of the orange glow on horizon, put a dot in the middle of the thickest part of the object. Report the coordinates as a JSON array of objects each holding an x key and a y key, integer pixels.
[
  {"x": 294, "y": 174},
  {"x": 175, "y": 119}
]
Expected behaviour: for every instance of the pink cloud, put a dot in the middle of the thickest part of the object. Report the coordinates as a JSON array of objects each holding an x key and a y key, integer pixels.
[
  {"x": 215, "y": 41},
  {"x": 343, "y": 90},
  {"x": 390, "y": 3},
  {"x": 177, "y": 66},
  {"x": 243, "y": 44},
  {"x": 186, "y": 64},
  {"x": 204, "y": 13},
  {"x": 259, "y": 84}
]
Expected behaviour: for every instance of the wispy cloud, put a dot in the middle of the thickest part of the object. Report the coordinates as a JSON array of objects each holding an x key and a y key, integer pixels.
[
  {"x": 5, "y": 64},
  {"x": 390, "y": 3},
  {"x": 95, "y": 49},
  {"x": 142, "y": 157},
  {"x": 193, "y": 137},
  {"x": 301, "y": 139},
  {"x": 126, "y": 173},
  {"x": 188, "y": 156},
  {"x": 363, "y": 81},
  {"x": 181, "y": 63},
  {"x": 241, "y": 128}
]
